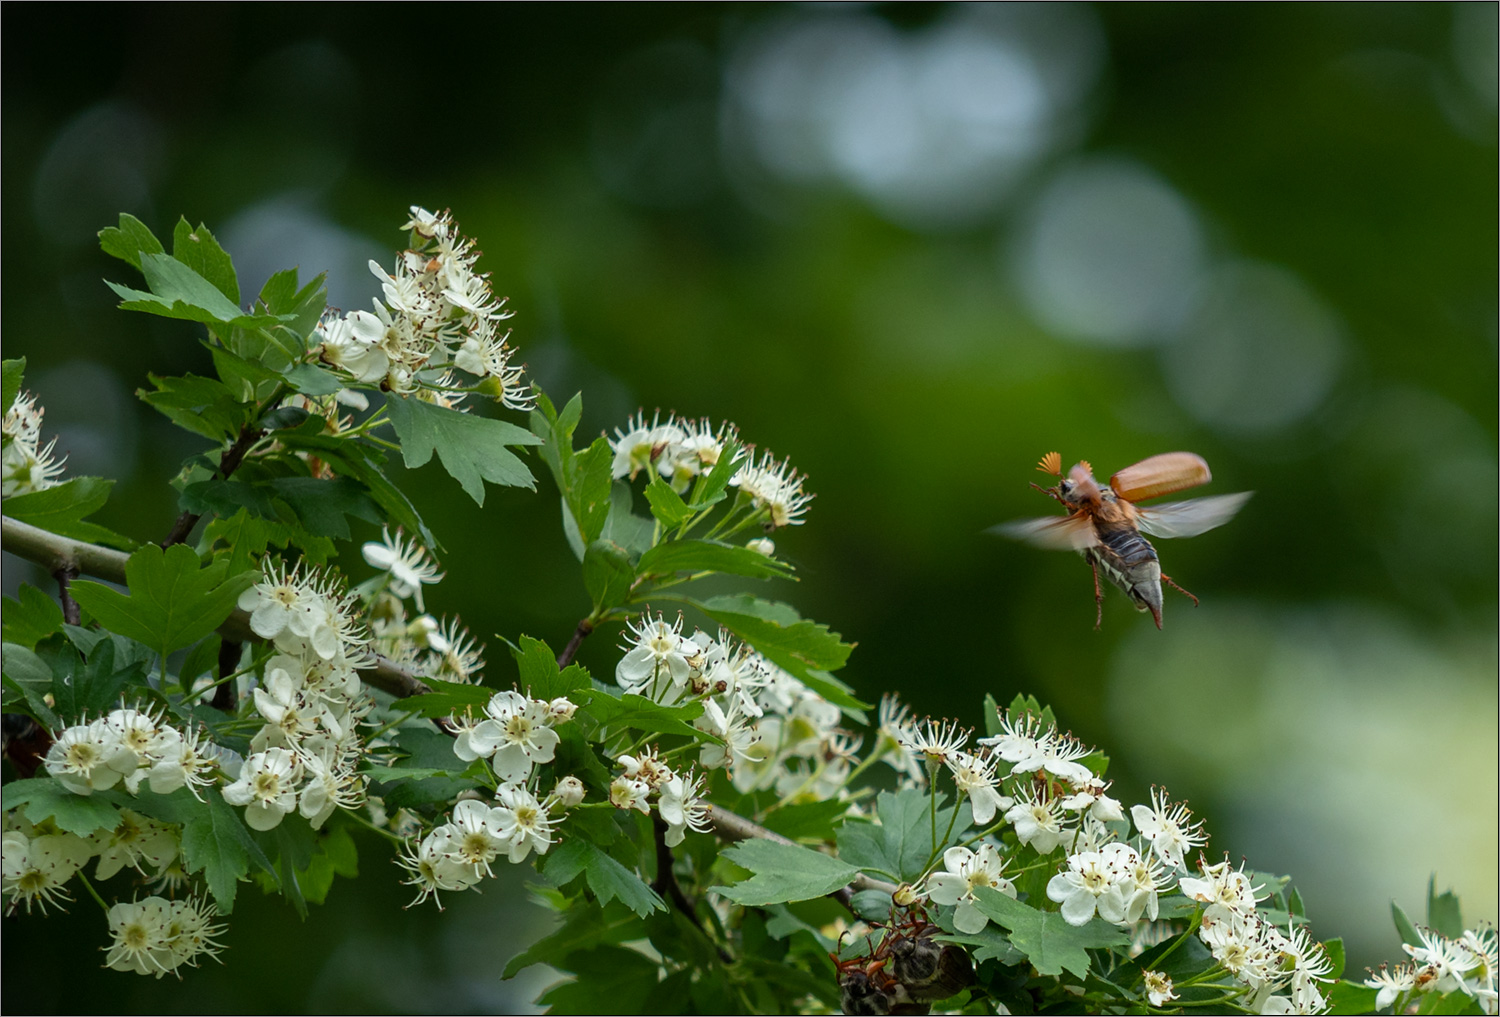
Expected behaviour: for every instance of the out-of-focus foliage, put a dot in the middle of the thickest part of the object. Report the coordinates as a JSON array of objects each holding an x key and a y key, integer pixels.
[{"x": 913, "y": 248}]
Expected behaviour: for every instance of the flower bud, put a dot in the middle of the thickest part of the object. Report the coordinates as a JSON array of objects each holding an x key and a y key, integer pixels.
[
  {"x": 569, "y": 791},
  {"x": 560, "y": 710},
  {"x": 906, "y": 895},
  {"x": 762, "y": 545}
]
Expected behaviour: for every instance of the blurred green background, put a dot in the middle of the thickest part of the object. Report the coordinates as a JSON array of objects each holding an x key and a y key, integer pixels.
[{"x": 911, "y": 248}]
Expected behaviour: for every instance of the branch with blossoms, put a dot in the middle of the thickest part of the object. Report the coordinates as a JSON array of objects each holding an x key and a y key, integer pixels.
[{"x": 721, "y": 822}]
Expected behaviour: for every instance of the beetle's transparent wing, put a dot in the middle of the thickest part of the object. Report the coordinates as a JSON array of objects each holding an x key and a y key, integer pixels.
[
  {"x": 1189, "y": 518},
  {"x": 1060, "y": 533}
]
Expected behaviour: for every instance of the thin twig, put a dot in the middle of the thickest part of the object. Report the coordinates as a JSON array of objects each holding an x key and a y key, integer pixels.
[
  {"x": 666, "y": 884},
  {"x": 65, "y": 574},
  {"x": 229, "y": 662},
  {"x": 228, "y": 463},
  {"x": 571, "y": 650}
]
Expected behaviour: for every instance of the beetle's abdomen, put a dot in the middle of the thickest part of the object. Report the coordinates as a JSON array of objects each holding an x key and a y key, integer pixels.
[{"x": 1126, "y": 545}]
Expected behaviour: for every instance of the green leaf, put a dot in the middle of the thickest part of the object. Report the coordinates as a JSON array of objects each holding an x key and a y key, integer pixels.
[
  {"x": 321, "y": 504},
  {"x": 32, "y": 618},
  {"x": 446, "y": 698},
  {"x": 622, "y": 525},
  {"x": 1045, "y": 937},
  {"x": 364, "y": 464},
  {"x": 204, "y": 406},
  {"x": 62, "y": 505},
  {"x": 198, "y": 250},
  {"x": 244, "y": 537},
  {"x": 871, "y": 905},
  {"x": 200, "y": 660},
  {"x": 129, "y": 240},
  {"x": 1404, "y": 927},
  {"x": 172, "y": 603},
  {"x": 783, "y": 873},
  {"x": 1351, "y": 998},
  {"x": 226, "y": 498},
  {"x": 472, "y": 448},
  {"x": 585, "y": 926},
  {"x": 176, "y": 291},
  {"x": 14, "y": 372},
  {"x": 638, "y": 713},
  {"x": 710, "y": 556},
  {"x": 216, "y": 843},
  {"x": 27, "y": 675},
  {"x": 312, "y": 380},
  {"x": 95, "y": 687},
  {"x": 802, "y": 648},
  {"x": 299, "y": 308},
  {"x": 540, "y": 676},
  {"x": 41, "y": 798},
  {"x": 808, "y": 820},
  {"x": 1334, "y": 948},
  {"x": 666, "y": 505},
  {"x": 336, "y": 855},
  {"x": 993, "y": 721},
  {"x": 607, "y": 878},
  {"x": 901, "y": 844},
  {"x": 709, "y": 489},
  {"x": 250, "y": 380},
  {"x": 590, "y": 488},
  {"x": 607, "y": 574},
  {"x": 1443, "y": 913},
  {"x": 610, "y": 979},
  {"x": 429, "y": 749}
]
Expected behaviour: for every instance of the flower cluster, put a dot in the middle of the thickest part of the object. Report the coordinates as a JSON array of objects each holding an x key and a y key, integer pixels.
[
  {"x": 156, "y": 936},
  {"x": 1256, "y": 953},
  {"x": 515, "y": 734},
  {"x": 768, "y": 729},
  {"x": 678, "y": 796},
  {"x": 437, "y": 314},
  {"x": 774, "y": 488},
  {"x": 131, "y": 746},
  {"x": 25, "y": 464},
  {"x": 429, "y": 647},
  {"x": 678, "y": 450},
  {"x": 38, "y": 862},
  {"x": 1443, "y": 965},
  {"x": 310, "y": 698},
  {"x": 41, "y": 858}
]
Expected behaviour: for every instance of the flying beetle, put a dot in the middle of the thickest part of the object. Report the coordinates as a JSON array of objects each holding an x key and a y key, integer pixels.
[{"x": 1105, "y": 524}]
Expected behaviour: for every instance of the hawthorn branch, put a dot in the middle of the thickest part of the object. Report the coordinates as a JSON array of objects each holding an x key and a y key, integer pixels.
[{"x": 59, "y": 554}]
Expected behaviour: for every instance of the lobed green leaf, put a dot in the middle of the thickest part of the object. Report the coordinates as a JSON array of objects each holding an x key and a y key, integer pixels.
[
  {"x": 607, "y": 878},
  {"x": 710, "y": 556},
  {"x": 607, "y": 574},
  {"x": 1045, "y": 937},
  {"x": 31, "y": 618},
  {"x": 471, "y": 448},
  {"x": 783, "y": 873},
  {"x": 173, "y": 602}
]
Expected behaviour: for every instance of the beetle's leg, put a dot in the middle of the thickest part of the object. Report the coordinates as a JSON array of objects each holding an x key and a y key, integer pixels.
[
  {"x": 1168, "y": 580},
  {"x": 1099, "y": 595}
]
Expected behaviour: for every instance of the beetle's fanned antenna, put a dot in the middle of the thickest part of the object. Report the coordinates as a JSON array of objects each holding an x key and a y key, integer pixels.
[{"x": 1051, "y": 463}]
